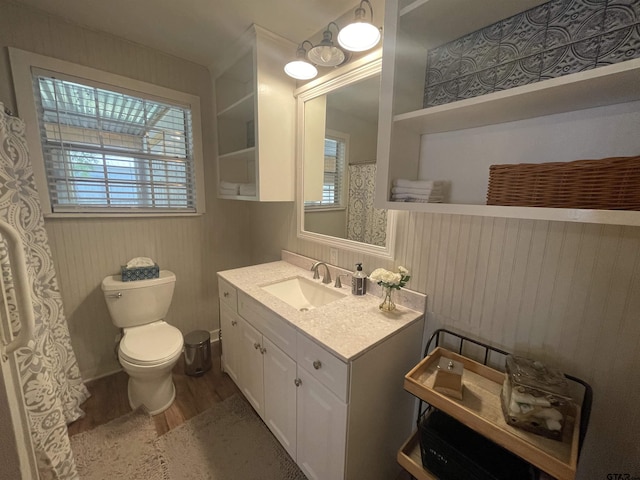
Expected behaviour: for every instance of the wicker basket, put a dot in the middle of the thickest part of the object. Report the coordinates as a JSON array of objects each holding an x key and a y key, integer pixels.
[{"x": 608, "y": 184}]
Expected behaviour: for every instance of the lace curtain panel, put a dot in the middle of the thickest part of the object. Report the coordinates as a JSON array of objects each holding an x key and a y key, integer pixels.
[
  {"x": 364, "y": 222},
  {"x": 52, "y": 385}
]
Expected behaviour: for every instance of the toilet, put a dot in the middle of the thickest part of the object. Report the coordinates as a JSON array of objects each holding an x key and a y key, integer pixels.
[{"x": 149, "y": 347}]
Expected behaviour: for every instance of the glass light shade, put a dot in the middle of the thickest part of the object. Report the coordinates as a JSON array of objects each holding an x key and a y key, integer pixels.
[
  {"x": 300, "y": 70},
  {"x": 326, "y": 55},
  {"x": 358, "y": 37}
]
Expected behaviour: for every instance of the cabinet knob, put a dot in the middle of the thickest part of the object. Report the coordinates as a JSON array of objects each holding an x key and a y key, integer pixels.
[
  {"x": 225, "y": 294},
  {"x": 256, "y": 346},
  {"x": 234, "y": 323},
  {"x": 263, "y": 350},
  {"x": 298, "y": 382},
  {"x": 317, "y": 364}
]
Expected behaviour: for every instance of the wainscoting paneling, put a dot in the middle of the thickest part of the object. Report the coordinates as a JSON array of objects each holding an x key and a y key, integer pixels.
[
  {"x": 85, "y": 250},
  {"x": 565, "y": 293}
]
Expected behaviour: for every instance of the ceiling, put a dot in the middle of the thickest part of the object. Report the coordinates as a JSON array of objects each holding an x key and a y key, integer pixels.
[{"x": 197, "y": 30}]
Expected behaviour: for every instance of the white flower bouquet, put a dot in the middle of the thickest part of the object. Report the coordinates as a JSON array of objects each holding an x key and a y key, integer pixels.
[{"x": 388, "y": 279}]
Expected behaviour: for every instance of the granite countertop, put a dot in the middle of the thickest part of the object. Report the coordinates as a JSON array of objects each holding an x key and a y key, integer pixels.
[{"x": 348, "y": 327}]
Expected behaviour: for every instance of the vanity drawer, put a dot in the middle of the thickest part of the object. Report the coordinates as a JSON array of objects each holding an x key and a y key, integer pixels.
[
  {"x": 228, "y": 294},
  {"x": 329, "y": 370},
  {"x": 272, "y": 326}
]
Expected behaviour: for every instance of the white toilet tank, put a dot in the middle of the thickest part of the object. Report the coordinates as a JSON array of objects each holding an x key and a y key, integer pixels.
[{"x": 138, "y": 302}]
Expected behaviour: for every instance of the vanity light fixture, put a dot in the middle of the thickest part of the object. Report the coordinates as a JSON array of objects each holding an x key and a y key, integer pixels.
[
  {"x": 359, "y": 35},
  {"x": 326, "y": 54},
  {"x": 300, "y": 68}
]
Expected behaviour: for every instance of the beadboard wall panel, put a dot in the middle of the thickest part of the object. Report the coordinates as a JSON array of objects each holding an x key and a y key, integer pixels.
[
  {"x": 566, "y": 293},
  {"x": 86, "y": 250}
]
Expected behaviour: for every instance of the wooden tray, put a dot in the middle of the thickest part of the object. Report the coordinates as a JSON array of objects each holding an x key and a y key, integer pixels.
[
  {"x": 410, "y": 458},
  {"x": 480, "y": 409}
]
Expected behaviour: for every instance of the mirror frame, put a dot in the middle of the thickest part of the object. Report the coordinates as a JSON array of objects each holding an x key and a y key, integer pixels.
[{"x": 362, "y": 69}]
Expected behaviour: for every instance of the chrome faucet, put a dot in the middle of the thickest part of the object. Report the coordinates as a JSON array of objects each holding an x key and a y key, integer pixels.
[{"x": 316, "y": 275}]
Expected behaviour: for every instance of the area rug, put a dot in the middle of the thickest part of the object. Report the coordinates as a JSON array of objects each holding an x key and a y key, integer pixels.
[
  {"x": 226, "y": 442},
  {"x": 123, "y": 449}
]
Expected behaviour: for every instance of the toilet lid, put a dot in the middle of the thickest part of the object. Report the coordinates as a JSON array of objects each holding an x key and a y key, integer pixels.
[{"x": 150, "y": 344}]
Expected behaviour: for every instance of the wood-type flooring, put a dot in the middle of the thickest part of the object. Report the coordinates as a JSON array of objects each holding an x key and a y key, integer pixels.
[{"x": 194, "y": 395}]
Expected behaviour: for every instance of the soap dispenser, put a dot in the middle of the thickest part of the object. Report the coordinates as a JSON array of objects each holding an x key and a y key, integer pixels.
[{"x": 358, "y": 281}]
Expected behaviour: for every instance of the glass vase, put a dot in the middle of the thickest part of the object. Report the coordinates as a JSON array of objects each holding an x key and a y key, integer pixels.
[{"x": 387, "y": 304}]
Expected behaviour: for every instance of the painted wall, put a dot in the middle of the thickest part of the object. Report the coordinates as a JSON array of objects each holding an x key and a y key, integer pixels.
[
  {"x": 86, "y": 250},
  {"x": 565, "y": 293}
]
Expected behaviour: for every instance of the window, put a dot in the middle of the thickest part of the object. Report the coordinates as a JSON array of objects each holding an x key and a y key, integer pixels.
[
  {"x": 106, "y": 148},
  {"x": 335, "y": 153}
]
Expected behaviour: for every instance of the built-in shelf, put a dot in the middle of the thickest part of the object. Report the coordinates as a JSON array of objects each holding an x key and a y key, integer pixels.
[
  {"x": 244, "y": 154},
  {"x": 240, "y": 110},
  {"x": 410, "y": 139},
  {"x": 255, "y": 117},
  {"x": 608, "y": 85},
  {"x": 424, "y": 18}
]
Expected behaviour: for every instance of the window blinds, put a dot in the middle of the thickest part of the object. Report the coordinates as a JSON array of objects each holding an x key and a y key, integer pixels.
[
  {"x": 106, "y": 150},
  {"x": 334, "y": 173}
]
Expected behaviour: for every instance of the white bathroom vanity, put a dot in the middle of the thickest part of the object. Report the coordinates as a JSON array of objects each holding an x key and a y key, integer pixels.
[{"x": 327, "y": 381}]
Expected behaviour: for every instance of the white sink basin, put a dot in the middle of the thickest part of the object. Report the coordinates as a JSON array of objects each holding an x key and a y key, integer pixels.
[{"x": 303, "y": 294}]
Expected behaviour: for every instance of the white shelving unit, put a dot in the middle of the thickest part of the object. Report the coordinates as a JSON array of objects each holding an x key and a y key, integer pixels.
[
  {"x": 255, "y": 111},
  {"x": 411, "y": 28}
]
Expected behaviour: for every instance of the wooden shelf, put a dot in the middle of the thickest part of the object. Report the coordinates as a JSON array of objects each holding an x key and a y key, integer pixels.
[
  {"x": 480, "y": 410},
  {"x": 608, "y": 85},
  {"x": 410, "y": 458}
]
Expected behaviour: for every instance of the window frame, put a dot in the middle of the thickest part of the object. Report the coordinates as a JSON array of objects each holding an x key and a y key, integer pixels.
[
  {"x": 22, "y": 65},
  {"x": 319, "y": 207}
]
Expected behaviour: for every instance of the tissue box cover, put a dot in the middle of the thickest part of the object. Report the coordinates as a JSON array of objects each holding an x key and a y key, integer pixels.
[
  {"x": 139, "y": 273},
  {"x": 535, "y": 397}
]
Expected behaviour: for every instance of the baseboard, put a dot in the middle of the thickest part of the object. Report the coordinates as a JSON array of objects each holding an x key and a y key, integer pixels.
[
  {"x": 215, "y": 338},
  {"x": 102, "y": 375},
  {"x": 215, "y": 335}
]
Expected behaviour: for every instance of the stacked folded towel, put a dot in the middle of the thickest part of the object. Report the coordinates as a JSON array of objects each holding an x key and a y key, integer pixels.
[
  {"x": 230, "y": 188},
  {"x": 248, "y": 189},
  {"x": 425, "y": 191}
]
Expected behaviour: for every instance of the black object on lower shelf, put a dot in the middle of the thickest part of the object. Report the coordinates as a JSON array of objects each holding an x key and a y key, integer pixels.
[{"x": 452, "y": 451}]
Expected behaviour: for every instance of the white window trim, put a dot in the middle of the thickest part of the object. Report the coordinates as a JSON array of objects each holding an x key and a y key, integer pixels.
[
  {"x": 344, "y": 137},
  {"x": 21, "y": 64}
]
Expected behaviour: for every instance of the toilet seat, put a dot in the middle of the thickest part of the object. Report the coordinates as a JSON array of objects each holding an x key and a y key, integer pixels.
[{"x": 151, "y": 344}]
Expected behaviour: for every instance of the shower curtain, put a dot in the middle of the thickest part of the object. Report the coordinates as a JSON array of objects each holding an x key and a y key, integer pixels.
[
  {"x": 50, "y": 377},
  {"x": 364, "y": 222}
]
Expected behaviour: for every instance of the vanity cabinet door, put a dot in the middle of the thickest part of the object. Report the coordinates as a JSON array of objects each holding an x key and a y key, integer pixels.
[
  {"x": 280, "y": 396},
  {"x": 231, "y": 336},
  {"x": 322, "y": 430},
  {"x": 251, "y": 366}
]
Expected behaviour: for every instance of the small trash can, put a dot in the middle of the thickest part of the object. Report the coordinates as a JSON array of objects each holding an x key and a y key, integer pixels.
[{"x": 197, "y": 352}]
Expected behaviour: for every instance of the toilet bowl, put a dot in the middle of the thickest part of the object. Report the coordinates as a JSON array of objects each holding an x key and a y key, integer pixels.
[{"x": 149, "y": 347}]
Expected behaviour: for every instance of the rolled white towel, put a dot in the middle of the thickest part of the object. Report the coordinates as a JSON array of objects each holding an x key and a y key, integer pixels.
[
  {"x": 247, "y": 189},
  {"x": 138, "y": 262},
  {"x": 553, "y": 425},
  {"x": 530, "y": 399},
  {"x": 550, "y": 413}
]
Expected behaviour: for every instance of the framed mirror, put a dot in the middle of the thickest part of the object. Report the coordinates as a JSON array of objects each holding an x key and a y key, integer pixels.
[{"x": 336, "y": 162}]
